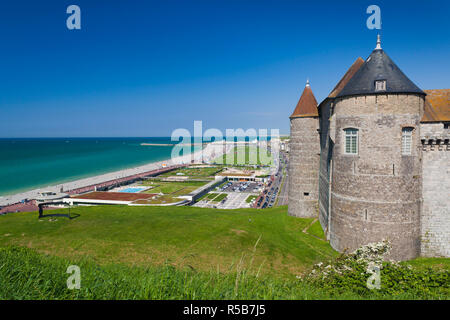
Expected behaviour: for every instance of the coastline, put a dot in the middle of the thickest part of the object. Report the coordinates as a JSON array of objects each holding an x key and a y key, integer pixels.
[
  {"x": 210, "y": 151},
  {"x": 171, "y": 144}
]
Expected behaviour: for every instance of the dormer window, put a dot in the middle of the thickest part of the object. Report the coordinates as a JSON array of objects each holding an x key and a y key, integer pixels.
[{"x": 380, "y": 85}]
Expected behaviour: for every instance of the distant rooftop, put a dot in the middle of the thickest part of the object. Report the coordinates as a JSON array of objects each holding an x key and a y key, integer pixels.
[
  {"x": 437, "y": 105},
  {"x": 307, "y": 105}
]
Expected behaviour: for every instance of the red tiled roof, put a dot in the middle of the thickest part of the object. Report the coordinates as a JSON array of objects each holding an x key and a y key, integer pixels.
[
  {"x": 437, "y": 105},
  {"x": 306, "y": 106}
]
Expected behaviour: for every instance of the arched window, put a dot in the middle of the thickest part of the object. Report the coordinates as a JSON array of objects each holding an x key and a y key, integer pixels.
[
  {"x": 351, "y": 140},
  {"x": 407, "y": 140}
]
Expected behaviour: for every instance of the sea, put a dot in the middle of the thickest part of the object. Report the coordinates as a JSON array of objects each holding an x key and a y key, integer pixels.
[{"x": 29, "y": 163}]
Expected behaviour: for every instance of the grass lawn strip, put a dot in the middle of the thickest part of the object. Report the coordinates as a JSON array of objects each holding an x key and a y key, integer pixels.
[{"x": 220, "y": 197}]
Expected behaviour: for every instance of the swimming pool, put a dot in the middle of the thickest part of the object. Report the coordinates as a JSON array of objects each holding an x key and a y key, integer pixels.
[{"x": 133, "y": 189}]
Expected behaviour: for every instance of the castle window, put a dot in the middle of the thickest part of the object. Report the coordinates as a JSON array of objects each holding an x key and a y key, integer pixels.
[
  {"x": 380, "y": 85},
  {"x": 407, "y": 140},
  {"x": 351, "y": 141}
]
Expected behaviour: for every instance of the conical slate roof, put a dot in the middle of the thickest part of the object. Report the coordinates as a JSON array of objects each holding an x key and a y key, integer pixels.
[
  {"x": 346, "y": 78},
  {"x": 379, "y": 66},
  {"x": 307, "y": 105}
]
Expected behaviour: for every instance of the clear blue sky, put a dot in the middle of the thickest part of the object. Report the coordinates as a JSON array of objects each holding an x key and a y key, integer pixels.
[{"x": 144, "y": 68}]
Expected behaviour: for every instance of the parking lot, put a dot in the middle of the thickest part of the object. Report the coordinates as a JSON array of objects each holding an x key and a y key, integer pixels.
[
  {"x": 247, "y": 187},
  {"x": 269, "y": 198},
  {"x": 235, "y": 200},
  {"x": 237, "y": 194}
]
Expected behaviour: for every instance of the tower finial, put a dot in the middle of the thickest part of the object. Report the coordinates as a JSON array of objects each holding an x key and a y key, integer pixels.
[
  {"x": 307, "y": 82},
  {"x": 378, "y": 47}
]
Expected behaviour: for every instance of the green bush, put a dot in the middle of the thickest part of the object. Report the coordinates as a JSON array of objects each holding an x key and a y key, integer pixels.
[{"x": 350, "y": 273}]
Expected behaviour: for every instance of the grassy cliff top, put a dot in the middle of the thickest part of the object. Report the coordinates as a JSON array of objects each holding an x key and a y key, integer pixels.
[
  {"x": 203, "y": 239},
  {"x": 186, "y": 253}
]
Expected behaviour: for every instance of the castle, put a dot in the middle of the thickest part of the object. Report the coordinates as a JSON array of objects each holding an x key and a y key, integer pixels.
[{"x": 372, "y": 161}]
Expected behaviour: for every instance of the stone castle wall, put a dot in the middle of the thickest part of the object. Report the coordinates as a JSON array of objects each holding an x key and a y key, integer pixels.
[
  {"x": 435, "y": 217},
  {"x": 303, "y": 167},
  {"x": 326, "y": 149},
  {"x": 376, "y": 194}
]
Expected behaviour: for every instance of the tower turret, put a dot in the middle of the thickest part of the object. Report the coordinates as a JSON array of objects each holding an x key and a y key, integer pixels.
[
  {"x": 304, "y": 157},
  {"x": 376, "y": 172}
]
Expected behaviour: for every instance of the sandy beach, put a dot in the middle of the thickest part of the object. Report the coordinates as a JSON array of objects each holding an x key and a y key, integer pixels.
[{"x": 209, "y": 152}]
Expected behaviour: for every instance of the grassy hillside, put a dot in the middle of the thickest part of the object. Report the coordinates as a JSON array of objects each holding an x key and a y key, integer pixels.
[
  {"x": 187, "y": 253},
  {"x": 26, "y": 274},
  {"x": 197, "y": 238}
]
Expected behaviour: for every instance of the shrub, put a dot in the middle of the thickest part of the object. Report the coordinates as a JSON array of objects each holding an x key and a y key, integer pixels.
[{"x": 352, "y": 272}]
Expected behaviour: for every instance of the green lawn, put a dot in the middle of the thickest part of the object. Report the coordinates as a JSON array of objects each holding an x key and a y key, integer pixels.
[
  {"x": 420, "y": 263},
  {"x": 246, "y": 155},
  {"x": 29, "y": 275},
  {"x": 194, "y": 172},
  {"x": 250, "y": 198},
  {"x": 316, "y": 230},
  {"x": 174, "y": 188},
  {"x": 211, "y": 195},
  {"x": 205, "y": 239},
  {"x": 160, "y": 200},
  {"x": 172, "y": 253},
  {"x": 220, "y": 197}
]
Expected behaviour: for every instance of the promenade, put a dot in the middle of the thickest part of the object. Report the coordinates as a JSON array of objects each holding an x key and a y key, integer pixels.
[{"x": 118, "y": 177}]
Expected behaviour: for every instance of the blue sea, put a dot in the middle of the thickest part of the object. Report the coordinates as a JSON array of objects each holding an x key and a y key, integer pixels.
[{"x": 26, "y": 164}]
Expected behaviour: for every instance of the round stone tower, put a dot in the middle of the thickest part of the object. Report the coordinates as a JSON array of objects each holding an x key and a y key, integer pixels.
[
  {"x": 376, "y": 168},
  {"x": 304, "y": 153}
]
